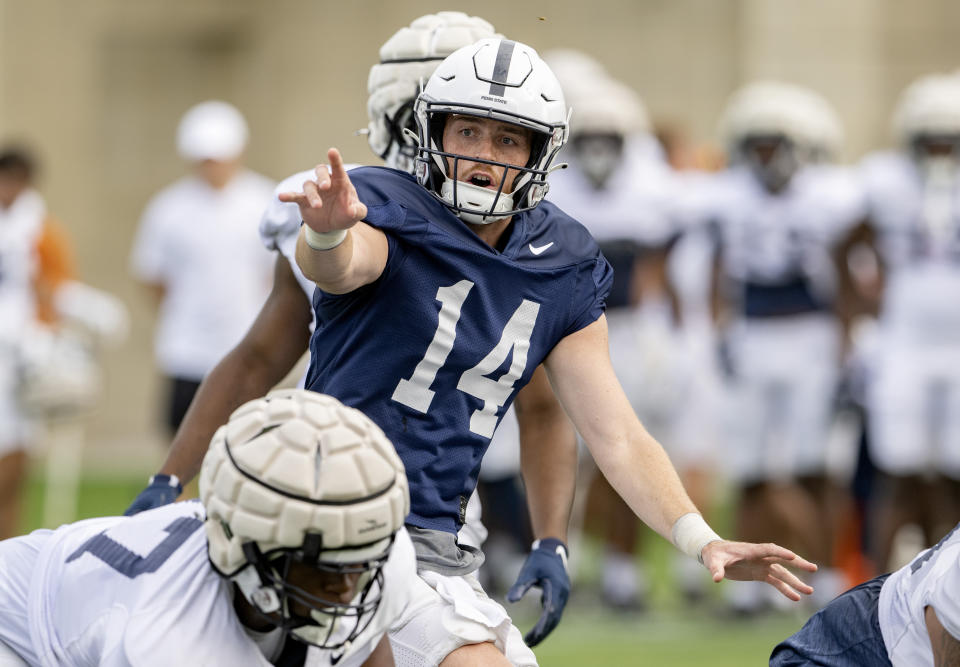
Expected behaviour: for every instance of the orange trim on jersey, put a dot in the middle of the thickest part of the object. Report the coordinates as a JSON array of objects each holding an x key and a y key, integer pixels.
[{"x": 54, "y": 266}]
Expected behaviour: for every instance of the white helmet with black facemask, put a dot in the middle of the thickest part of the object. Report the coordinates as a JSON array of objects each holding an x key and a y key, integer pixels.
[
  {"x": 927, "y": 122},
  {"x": 764, "y": 127},
  {"x": 297, "y": 479},
  {"x": 501, "y": 80}
]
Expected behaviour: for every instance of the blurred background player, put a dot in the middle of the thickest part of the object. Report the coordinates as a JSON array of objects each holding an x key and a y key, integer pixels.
[
  {"x": 302, "y": 550},
  {"x": 619, "y": 186},
  {"x": 279, "y": 336},
  {"x": 35, "y": 259},
  {"x": 776, "y": 222},
  {"x": 913, "y": 396},
  {"x": 910, "y": 617},
  {"x": 192, "y": 237}
]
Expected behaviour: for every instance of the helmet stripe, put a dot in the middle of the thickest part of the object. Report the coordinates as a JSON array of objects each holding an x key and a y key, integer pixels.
[{"x": 501, "y": 67}]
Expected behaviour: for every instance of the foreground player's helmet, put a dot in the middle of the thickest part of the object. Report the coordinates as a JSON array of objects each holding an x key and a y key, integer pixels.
[
  {"x": 406, "y": 60},
  {"x": 504, "y": 81},
  {"x": 927, "y": 117},
  {"x": 297, "y": 477},
  {"x": 764, "y": 126}
]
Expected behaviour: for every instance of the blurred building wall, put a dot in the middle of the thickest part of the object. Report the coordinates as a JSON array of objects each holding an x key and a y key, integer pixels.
[{"x": 98, "y": 87}]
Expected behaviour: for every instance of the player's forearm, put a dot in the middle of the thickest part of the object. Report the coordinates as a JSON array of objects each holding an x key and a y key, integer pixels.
[
  {"x": 548, "y": 461},
  {"x": 356, "y": 261},
  {"x": 641, "y": 472}
]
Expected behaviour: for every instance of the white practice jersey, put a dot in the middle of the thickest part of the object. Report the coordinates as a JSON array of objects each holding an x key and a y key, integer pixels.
[
  {"x": 917, "y": 223},
  {"x": 931, "y": 580},
  {"x": 636, "y": 203},
  {"x": 771, "y": 239},
  {"x": 280, "y": 225},
  {"x": 124, "y": 591},
  {"x": 20, "y": 229},
  {"x": 201, "y": 245}
]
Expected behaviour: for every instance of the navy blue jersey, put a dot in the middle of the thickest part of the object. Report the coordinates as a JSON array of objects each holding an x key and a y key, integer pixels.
[{"x": 435, "y": 350}]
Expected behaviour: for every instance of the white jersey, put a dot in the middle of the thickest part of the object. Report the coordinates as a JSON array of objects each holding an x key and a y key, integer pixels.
[
  {"x": 194, "y": 240},
  {"x": 280, "y": 226},
  {"x": 636, "y": 203},
  {"x": 20, "y": 229},
  {"x": 917, "y": 222},
  {"x": 123, "y": 591},
  {"x": 780, "y": 239},
  {"x": 931, "y": 580}
]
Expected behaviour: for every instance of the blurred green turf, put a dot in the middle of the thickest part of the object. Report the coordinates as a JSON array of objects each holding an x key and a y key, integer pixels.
[
  {"x": 676, "y": 639},
  {"x": 670, "y": 634},
  {"x": 97, "y": 496}
]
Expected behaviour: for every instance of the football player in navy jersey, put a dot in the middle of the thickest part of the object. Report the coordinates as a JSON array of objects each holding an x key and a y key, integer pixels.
[
  {"x": 439, "y": 295},
  {"x": 280, "y": 335}
]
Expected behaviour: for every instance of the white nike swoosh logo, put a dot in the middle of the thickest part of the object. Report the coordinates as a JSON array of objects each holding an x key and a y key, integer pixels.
[{"x": 536, "y": 250}]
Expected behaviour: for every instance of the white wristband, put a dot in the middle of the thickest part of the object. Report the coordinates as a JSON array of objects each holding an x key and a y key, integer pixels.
[
  {"x": 324, "y": 240},
  {"x": 691, "y": 534}
]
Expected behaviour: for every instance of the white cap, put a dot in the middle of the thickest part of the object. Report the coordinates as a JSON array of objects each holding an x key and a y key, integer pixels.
[{"x": 211, "y": 130}]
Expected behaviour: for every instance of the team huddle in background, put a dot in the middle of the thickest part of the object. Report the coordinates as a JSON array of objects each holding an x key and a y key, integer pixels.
[{"x": 537, "y": 281}]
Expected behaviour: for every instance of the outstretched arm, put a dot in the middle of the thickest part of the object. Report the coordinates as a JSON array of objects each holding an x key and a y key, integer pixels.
[
  {"x": 637, "y": 467},
  {"x": 335, "y": 249}
]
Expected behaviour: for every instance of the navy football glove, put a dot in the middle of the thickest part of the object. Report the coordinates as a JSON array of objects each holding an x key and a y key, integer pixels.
[
  {"x": 545, "y": 568},
  {"x": 162, "y": 490}
]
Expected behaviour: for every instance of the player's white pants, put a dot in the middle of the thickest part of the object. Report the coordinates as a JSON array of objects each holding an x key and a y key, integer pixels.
[
  {"x": 913, "y": 402},
  {"x": 9, "y": 658},
  {"x": 447, "y": 612},
  {"x": 653, "y": 362},
  {"x": 781, "y": 397},
  {"x": 17, "y": 559},
  {"x": 473, "y": 533}
]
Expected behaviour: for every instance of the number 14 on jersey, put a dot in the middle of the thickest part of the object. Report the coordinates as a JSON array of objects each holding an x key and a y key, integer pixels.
[{"x": 415, "y": 392}]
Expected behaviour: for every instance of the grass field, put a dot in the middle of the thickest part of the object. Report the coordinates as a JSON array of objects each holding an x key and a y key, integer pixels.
[{"x": 668, "y": 634}]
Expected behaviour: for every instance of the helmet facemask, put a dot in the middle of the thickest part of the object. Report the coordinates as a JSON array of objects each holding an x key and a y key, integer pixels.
[
  {"x": 493, "y": 80},
  {"x": 772, "y": 158},
  {"x": 401, "y": 150},
  {"x": 521, "y": 188},
  {"x": 936, "y": 153},
  {"x": 328, "y": 624},
  {"x": 598, "y": 155}
]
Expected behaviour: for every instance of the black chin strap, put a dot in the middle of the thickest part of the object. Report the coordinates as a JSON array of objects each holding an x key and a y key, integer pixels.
[{"x": 294, "y": 653}]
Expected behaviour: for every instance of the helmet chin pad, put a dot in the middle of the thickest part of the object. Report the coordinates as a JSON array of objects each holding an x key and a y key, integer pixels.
[{"x": 475, "y": 204}]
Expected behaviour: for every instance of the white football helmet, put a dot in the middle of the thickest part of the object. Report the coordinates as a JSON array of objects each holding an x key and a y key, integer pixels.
[
  {"x": 765, "y": 125},
  {"x": 504, "y": 81},
  {"x": 407, "y": 60},
  {"x": 927, "y": 117},
  {"x": 576, "y": 71},
  {"x": 603, "y": 116},
  {"x": 298, "y": 477},
  {"x": 820, "y": 130}
]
